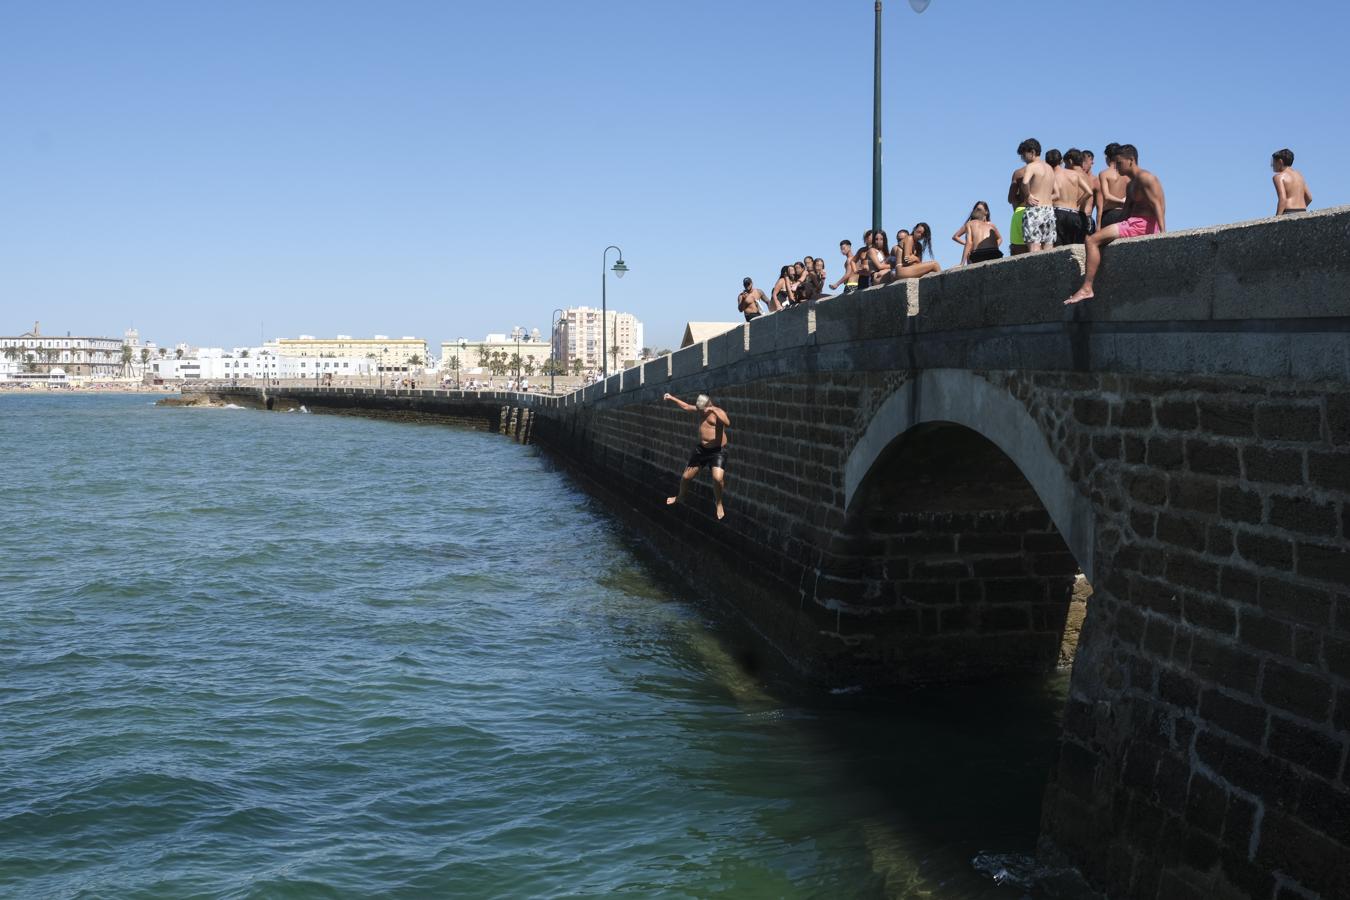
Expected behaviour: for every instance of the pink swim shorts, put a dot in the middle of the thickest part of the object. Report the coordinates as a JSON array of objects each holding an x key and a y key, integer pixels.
[{"x": 1136, "y": 226}]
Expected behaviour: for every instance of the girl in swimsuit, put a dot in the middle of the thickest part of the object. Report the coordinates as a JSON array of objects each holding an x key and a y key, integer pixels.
[
  {"x": 978, "y": 237},
  {"x": 782, "y": 290},
  {"x": 911, "y": 253},
  {"x": 877, "y": 256}
]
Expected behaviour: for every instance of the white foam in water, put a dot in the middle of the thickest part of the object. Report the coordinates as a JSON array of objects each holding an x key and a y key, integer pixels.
[
  {"x": 1025, "y": 873},
  {"x": 303, "y": 409},
  {"x": 851, "y": 689},
  {"x": 231, "y": 406}
]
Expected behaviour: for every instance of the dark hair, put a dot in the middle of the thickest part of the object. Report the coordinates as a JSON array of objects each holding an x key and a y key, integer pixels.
[
  {"x": 1053, "y": 157},
  {"x": 1285, "y": 156},
  {"x": 978, "y": 204},
  {"x": 845, "y": 241},
  {"x": 925, "y": 243},
  {"x": 1111, "y": 150},
  {"x": 783, "y": 272},
  {"x": 1074, "y": 158},
  {"x": 885, "y": 243},
  {"x": 805, "y": 258},
  {"x": 1088, "y": 154},
  {"x": 746, "y": 281},
  {"x": 1128, "y": 151},
  {"x": 1030, "y": 145}
]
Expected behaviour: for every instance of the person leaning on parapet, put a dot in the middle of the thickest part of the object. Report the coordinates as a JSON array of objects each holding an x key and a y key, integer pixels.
[
  {"x": 1075, "y": 196},
  {"x": 749, "y": 300},
  {"x": 850, "y": 277},
  {"x": 1111, "y": 186},
  {"x": 1017, "y": 199},
  {"x": 1038, "y": 183},
  {"x": 1291, "y": 191},
  {"x": 979, "y": 237},
  {"x": 1145, "y": 213},
  {"x": 711, "y": 450}
]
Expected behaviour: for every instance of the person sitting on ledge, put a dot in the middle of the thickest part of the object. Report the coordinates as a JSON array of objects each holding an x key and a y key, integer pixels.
[
  {"x": 911, "y": 250},
  {"x": 1291, "y": 191},
  {"x": 979, "y": 237},
  {"x": 1145, "y": 213},
  {"x": 711, "y": 450}
]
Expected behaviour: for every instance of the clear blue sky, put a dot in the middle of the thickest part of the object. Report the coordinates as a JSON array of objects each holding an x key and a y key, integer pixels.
[{"x": 446, "y": 168}]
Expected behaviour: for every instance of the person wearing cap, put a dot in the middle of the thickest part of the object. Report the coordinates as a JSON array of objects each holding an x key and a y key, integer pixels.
[{"x": 749, "y": 300}]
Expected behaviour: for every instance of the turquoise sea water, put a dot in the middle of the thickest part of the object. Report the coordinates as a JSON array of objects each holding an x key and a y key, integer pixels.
[{"x": 248, "y": 654}]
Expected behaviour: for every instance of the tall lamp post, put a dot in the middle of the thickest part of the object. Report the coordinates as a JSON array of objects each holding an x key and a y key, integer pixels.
[
  {"x": 458, "y": 347},
  {"x": 918, "y": 6},
  {"x": 619, "y": 270},
  {"x": 553, "y": 352}
]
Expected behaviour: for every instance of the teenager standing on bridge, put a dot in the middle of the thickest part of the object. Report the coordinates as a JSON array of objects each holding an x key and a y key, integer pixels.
[{"x": 711, "y": 450}]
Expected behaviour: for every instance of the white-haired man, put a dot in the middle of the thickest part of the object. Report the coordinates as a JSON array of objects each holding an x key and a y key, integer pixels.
[{"x": 711, "y": 450}]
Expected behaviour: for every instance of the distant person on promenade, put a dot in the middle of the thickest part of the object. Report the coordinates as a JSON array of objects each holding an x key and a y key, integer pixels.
[
  {"x": 1038, "y": 183},
  {"x": 850, "y": 277},
  {"x": 1291, "y": 191},
  {"x": 913, "y": 245},
  {"x": 749, "y": 300},
  {"x": 1145, "y": 213},
  {"x": 979, "y": 237},
  {"x": 1075, "y": 196},
  {"x": 1112, "y": 186},
  {"x": 710, "y": 451}
]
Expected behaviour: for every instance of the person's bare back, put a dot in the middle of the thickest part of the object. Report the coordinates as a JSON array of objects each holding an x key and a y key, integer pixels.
[
  {"x": 1291, "y": 192},
  {"x": 1038, "y": 180},
  {"x": 1113, "y": 185},
  {"x": 1073, "y": 189}
]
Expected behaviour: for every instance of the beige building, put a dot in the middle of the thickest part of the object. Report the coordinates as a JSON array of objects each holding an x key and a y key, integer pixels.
[
  {"x": 500, "y": 349},
  {"x": 388, "y": 354},
  {"x": 577, "y": 336},
  {"x": 78, "y": 357}
]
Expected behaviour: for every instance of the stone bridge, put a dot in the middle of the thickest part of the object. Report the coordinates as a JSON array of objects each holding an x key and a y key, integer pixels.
[{"x": 918, "y": 473}]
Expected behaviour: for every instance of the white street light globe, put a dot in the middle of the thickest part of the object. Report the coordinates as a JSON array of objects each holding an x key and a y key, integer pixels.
[{"x": 619, "y": 269}]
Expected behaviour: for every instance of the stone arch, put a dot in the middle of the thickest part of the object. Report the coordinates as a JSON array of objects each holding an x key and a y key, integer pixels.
[{"x": 960, "y": 397}]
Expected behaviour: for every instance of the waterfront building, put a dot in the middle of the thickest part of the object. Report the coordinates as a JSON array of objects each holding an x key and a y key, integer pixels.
[
  {"x": 78, "y": 357},
  {"x": 259, "y": 363},
  {"x": 577, "y": 336},
  {"x": 497, "y": 351},
  {"x": 405, "y": 354}
]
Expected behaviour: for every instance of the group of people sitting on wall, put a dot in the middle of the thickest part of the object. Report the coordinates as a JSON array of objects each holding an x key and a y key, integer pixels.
[{"x": 1057, "y": 201}]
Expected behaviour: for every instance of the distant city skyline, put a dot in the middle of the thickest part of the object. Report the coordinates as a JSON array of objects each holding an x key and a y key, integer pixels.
[{"x": 227, "y": 174}]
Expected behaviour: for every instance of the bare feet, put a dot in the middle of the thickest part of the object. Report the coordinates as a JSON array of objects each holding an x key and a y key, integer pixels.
[
  {"x": 671, "y": 501},
  {"x": 1078, "y": 296},
  {"x": 721, "y": 513}
]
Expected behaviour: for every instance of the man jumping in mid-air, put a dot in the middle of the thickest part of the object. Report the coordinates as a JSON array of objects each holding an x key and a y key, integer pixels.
[{"x": 711, "y": 450}]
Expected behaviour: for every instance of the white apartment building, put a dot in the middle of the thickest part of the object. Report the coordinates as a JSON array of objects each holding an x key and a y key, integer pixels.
[
  {"x": 78, "y": 357},
  {"x": 260, "y": 364},
  {"x": 577, "y": 336}
]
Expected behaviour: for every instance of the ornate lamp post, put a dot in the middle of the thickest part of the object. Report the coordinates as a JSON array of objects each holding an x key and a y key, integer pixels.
[
  {"x": 619, "y": 270},
  {"x": 553, "y": 352}
]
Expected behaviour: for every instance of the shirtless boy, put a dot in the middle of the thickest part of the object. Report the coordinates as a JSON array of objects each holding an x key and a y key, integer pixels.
[
  {"x": 1111, "y": 186},
  {"x": 711, "y": 450},
  {"x": 1038, "y": 187},
  {"x": 1075, "y": 197},
  {"x": 1291, "y": 191},
  {"x": 749, "y": 300},
  {"x": 1089, "y": 158},
  {"x": 1145, "y": 213}
]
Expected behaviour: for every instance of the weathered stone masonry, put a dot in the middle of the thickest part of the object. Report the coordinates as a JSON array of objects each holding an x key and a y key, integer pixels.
[{"x": 917, "y": 473}]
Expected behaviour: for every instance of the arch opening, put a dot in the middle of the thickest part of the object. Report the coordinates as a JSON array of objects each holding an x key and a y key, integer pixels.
[{"x": 949, "y": 544}]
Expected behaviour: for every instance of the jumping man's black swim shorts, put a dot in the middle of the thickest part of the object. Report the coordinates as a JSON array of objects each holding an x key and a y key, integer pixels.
[{"x": 708, "y": 456}]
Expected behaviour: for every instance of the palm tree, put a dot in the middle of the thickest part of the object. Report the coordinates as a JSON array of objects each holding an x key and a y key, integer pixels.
[
  {"x": 145, "y": 359},
  {"x": 12, "y": 353},
  {"x": 163, "y": 352},
  {"x": 530, "y": 366},
  {"x": 243, "y": 354},
  {"x": 614, "y": 354},
  {"x": 515, "y": 363},
  {"x": 178, "y": 353},
  {"x": 415, "y": 360},
  {"x": 577, "y": 366}
]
